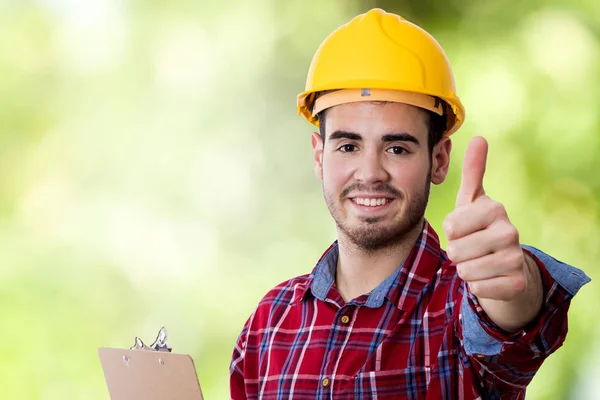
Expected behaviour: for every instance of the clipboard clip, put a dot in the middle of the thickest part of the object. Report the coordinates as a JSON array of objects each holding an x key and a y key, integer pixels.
[{"x": 160, "y": 344}]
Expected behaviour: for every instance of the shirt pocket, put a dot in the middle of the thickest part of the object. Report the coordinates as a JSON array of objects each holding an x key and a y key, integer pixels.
[{"x": 407, "y": 383}]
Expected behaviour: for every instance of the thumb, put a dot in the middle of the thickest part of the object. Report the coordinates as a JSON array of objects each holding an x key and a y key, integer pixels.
[{"x": 471, "y": 185}]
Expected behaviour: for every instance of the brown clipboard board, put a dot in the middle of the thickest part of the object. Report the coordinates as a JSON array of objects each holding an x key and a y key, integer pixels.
[{"x": 149, "y": 375}]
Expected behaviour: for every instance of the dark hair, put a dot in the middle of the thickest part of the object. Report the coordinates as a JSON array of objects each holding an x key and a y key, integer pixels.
[{"x": 436, "y": 125}]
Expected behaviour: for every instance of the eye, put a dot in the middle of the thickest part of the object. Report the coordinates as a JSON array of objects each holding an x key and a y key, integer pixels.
[
  {"x": 397, "y": 150},
  {"x": 347, "y": 148}
]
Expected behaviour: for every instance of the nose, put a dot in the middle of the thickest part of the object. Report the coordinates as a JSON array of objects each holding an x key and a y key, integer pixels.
[{"x": 371, "y": 168}]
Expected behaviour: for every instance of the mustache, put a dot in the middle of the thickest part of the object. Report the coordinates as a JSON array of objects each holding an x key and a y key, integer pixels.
[{"x": 382, "y": 188}]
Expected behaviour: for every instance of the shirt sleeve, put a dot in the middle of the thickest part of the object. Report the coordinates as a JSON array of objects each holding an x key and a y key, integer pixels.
[
  {"x": 237, "y": 384},
  {"x": 507, "y": 362}
]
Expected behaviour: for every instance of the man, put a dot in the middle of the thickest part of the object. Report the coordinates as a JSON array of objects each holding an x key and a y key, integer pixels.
[{"x": 386, "y": 313}]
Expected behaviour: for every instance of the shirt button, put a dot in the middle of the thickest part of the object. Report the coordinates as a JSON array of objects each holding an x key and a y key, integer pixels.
[
  {"x": 325, "y": 382},
  {"x": 345, "y": 319}
]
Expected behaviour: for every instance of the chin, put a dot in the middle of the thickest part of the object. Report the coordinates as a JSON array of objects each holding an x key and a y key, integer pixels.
[{"x": 378, "y": 232}]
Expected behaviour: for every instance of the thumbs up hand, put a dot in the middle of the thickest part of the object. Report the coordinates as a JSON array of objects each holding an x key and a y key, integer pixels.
[
  {"x": 485, "y": 247},
  {"x": 471, "y": 185}
]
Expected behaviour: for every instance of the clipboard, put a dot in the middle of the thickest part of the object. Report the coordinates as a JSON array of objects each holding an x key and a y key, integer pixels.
[{"x": 146, "y": 374}]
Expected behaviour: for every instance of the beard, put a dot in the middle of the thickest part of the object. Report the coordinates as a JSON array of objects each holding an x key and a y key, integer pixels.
[{"x": 371, "y": 234}]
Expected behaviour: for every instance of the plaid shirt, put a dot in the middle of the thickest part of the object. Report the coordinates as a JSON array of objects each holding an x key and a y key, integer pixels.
[{"x": 419, "y": 335}]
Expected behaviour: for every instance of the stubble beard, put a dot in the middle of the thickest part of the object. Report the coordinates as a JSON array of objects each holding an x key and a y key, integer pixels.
[{"x": 370, "y": 235}]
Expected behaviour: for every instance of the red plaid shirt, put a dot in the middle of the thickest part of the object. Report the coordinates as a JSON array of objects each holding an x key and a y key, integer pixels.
[{"x": 419, "y": 335}]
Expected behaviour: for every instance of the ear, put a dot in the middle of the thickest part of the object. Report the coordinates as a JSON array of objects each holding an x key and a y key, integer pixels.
[
  {"x": 317, "y": 145},
  {"x": 440, "y": 159}
]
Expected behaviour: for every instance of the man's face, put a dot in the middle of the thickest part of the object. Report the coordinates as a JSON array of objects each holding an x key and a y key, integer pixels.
[{"x": 375, "y": 169}]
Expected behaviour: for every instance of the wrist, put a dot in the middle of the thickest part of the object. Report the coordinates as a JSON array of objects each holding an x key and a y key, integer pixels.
[{"x": 535, "y": 289}]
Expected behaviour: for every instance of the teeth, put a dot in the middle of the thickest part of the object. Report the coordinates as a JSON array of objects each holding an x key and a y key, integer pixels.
[{"x": 370, "y": 202}]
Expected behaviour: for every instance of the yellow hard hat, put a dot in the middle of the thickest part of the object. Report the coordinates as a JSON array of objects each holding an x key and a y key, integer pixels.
[{"x": 381, "y": 56}]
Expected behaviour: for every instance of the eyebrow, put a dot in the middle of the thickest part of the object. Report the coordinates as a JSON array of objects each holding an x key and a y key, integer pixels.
[
  {"x": 390, "y": 137},
  {"x": 400, "y": 137},
  {"x": 344, "y": 135}
]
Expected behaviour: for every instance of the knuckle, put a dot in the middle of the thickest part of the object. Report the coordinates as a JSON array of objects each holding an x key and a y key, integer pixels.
[
  {"x": 515, "y": 259},
  {"x": 497, "y": 209},
  {"x": 513, "y": 233},
  {"x": 475, "y": 288},
  {"x": 449, "y": 227},
  {"x": 519, "y": 284},
  {"x": 451, "y": 251},
  {"x": 462, "y": 271},
  {"x": 509, "y": 234}
]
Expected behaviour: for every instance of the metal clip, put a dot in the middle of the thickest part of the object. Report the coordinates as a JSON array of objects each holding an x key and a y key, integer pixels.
[{"x": 160, "y": 344}]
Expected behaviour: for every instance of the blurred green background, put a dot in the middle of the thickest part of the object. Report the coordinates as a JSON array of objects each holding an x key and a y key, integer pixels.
[{"x": 153, "y": 170}]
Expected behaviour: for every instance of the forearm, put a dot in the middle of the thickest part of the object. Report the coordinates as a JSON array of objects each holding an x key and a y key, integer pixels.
[{"x": 513, "y": 315}]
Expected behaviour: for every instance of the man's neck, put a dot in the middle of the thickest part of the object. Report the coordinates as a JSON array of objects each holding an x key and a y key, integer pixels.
[{"x": 359, "y": 272}]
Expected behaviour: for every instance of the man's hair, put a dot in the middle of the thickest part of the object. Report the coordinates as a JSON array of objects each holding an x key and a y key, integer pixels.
[{"x": 436, "y": 126}]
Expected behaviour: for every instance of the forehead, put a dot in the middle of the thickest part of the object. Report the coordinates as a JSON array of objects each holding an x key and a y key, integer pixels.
[{"x": 377, "y": 119}]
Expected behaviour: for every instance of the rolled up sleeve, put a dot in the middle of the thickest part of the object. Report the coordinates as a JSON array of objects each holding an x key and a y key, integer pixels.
[{"x": 509, "y": 361}]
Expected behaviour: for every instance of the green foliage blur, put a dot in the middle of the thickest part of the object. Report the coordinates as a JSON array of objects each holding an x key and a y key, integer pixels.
[{"x": 153, "y": 170}]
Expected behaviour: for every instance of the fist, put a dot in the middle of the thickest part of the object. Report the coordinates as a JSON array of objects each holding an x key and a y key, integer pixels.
[{"x": 482, "y": 242}]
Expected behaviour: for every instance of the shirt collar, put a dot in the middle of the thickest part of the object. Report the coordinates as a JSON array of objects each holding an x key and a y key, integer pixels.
[
  {"x": 321, "y": 278},
  {"x": 401, "y": 287}
]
